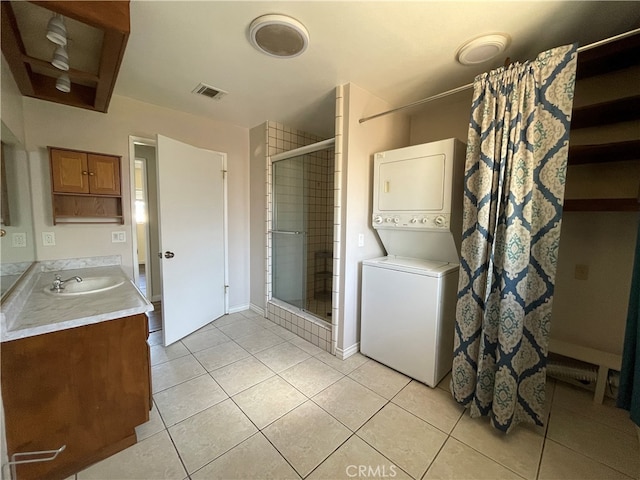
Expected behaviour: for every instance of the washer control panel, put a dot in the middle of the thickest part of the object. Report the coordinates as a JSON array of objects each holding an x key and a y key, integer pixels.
[{"x": 410, "y": 221}]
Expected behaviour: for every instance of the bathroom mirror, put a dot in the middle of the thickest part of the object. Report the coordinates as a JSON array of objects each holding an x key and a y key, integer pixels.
[{"x": 17, "y": 245}]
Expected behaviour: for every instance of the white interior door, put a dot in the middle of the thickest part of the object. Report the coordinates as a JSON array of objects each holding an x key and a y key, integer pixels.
[{"x": 191, "y": 201}]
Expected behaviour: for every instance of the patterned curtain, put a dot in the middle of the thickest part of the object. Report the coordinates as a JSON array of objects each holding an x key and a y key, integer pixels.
[
  {"x": 629, "y": 393},
  {"x": 513, "y": 194}
]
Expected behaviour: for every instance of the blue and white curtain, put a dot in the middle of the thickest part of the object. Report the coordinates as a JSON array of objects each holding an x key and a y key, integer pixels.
[{"x": 513, "y": 195}]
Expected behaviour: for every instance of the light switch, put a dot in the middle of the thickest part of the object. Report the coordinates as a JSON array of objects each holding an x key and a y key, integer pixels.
[
  {"x": 118, "y": 237},
  {"x": 48, "y": 239},
  {"x": 361, "y": 239}
]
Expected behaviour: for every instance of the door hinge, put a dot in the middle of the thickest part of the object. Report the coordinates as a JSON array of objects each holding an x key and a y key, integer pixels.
[
  {"x": 224, "y": 173},
  {"x": 226, "y": 288}
]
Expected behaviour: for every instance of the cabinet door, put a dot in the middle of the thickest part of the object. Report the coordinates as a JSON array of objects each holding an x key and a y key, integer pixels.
[
  {"x": 104, "y": 174},
  {"x": 69, "y": 171}
]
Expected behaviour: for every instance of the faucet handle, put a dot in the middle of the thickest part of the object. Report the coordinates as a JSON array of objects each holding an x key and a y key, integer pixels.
[{"x": 58, "y": 277}]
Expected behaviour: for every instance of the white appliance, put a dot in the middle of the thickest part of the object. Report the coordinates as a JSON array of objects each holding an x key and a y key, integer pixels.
[
  {"x": 409, "y": 296},
  {"x": 407, "y": 310}
]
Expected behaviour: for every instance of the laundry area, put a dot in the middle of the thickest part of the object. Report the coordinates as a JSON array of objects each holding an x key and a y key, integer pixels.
[{"x": 409, "y": 296}]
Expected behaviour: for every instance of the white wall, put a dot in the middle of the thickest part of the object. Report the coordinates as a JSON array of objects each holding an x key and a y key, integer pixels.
[
  {"x": 49, "y": 124},
  {"x": 258, "y": 141},
  {"x": 11, "y": 106},
  {"x": 360, "y": 142}
]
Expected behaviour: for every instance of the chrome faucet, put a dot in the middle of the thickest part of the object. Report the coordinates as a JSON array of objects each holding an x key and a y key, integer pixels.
[{"x": 58, "y": 283}]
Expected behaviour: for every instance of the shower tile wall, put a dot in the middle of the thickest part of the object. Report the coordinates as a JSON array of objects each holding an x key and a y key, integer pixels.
[{"x": 280, "y": 138}]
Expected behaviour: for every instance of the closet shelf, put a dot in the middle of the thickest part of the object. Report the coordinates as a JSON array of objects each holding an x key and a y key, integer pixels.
[
  {"x": 601, "y": 205},
  {"x": 609, "y": 58},
  {"x": 606, "y": 113},
  {"x": 604, "y": 152}
]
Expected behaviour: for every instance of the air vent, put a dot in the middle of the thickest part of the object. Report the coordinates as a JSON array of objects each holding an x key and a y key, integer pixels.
[{"x": 209, "y": 91}]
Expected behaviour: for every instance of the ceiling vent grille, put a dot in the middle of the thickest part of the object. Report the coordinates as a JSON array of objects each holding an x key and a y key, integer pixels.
[{"x": 209, "y": 91}]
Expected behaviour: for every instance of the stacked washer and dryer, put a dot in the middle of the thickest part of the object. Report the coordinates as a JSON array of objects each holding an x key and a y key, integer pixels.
[{"x": 409, "y": 296}]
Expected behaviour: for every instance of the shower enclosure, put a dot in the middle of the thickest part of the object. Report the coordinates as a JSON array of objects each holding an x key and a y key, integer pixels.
[{"x": 302, "y": 228}]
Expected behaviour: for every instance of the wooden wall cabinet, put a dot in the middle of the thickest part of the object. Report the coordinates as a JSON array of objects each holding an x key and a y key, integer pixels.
[
  {"x": 86, "y": 388},
  {"x": 85, "y": 185}
]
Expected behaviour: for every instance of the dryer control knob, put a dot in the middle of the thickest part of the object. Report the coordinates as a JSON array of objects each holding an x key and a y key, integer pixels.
[
  {"x": 396, "y": 219},
  {"x": 388, "y": 219},
  {"x": 440, "y": 221},
  {"x": 414, "y": 220},
  {"x": 377, "y": 219},
  {"x": 425, "y": 220}
]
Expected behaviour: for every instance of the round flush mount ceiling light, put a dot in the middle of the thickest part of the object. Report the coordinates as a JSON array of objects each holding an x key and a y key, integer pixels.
[
  {"x": 482, "y": 49},
  {"x": 278, "y": 36}
]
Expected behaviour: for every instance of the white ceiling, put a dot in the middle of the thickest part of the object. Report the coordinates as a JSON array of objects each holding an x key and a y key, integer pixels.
[{"x": 400, "y": 51}]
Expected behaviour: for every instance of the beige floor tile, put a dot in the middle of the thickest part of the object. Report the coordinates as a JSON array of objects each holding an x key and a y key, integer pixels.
[
  {"x": 269, "y": 400},
  {"x": 600, "y": 442},
  {"x": 433, "y": 405},
  {"x": 282, "y": 356},
  {"x": 255, "y": 458},
  {"x": 204, "y": 338},
  {"x": 445, "y": 383},
  {"x": 153, "y": 426},
  {"x": 350, "y": 402},
  {"x": 221, "y": 355},
  {"x": 356, "y": 459},
  {"x": 580, "y": 401},
  {"x": 403, "y": 438},
  {"x": 188, "y": 398},
  {"x": 308, "y": 347},
  {"x": 154, "y": 457},
  {"x": 175, "y": 371},
  {"x": 228, "y": 319},
  {"x": 280, "y": 331},
  {"x": 345, "y": 366},
  {"x": 382, "y": 380},
  {"x": 241, "y": 375},
  {"x": 205, "y": 436},
  {"x": 155, "y": 338},
  {"x": 561, "y": 462},
  {"x": 306, "y": 436},
  {"x": 241, "y": 328},
  {"x": 161, "y": 354},
  {"x": 518, "y": 450},
  {"x": 311, "y": 376},
  {"x": 458, "y": 461},
  {"x": 257, "y": 342}
]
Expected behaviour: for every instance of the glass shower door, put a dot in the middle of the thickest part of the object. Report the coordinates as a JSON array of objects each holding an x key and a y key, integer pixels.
[{"x": 289, "y": 232}]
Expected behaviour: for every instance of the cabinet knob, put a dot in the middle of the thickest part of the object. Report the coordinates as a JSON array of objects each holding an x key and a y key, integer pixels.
[
  {"x": 91, "y": 174},
  {"x": 84, "y": 172}
]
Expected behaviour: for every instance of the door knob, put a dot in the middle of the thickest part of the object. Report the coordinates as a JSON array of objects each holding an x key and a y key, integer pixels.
[{"x": 169, "y": 254}]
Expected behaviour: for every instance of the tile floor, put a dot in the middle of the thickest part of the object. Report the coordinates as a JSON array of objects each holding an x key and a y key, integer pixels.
[{"x": 244, "y": 398}]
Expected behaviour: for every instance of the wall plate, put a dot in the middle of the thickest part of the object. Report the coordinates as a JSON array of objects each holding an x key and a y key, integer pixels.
[
  {"x": 118, "y": 237},
  {"x": 48, "y": 239}
]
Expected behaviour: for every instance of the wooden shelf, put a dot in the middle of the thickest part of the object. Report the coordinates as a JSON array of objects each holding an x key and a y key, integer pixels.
[
  {"x": 604, "y": 153},
  {"x": 607, "y": 58},
  {"x": 67, "y": 206},
  {"x": 606, "y": 113},
  {"x": 601, "y": 205}
]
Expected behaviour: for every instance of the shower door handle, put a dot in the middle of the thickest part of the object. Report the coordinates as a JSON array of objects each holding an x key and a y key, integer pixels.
[{"x": 287, "y": 232}]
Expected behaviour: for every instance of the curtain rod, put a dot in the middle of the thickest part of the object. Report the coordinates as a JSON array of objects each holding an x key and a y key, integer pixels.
[{"x": 470, "y": 85}]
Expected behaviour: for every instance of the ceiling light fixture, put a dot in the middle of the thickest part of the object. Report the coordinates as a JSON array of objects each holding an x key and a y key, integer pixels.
[
  {"x": 482, "y": 49},
  {"x": 278, "y": 36},
  {"x": 60, "y": 58},
  {"x": 63, "y": 83},
  {"x": 56, "y": 31}
]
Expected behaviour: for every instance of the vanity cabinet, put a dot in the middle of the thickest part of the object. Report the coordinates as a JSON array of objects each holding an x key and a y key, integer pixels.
[
  {"x": 86, "y": 387},
  {"x": 85, "y": 185}
]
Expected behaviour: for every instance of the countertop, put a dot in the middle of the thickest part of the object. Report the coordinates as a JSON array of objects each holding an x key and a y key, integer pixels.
[{"x": 44, "y": 313}]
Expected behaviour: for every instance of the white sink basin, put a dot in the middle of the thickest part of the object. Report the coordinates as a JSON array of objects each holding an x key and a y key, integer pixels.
[{"x": 87, "y": 285}]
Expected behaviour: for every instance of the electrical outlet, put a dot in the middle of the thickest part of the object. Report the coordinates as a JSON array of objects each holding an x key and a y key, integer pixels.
[
  {"x": 19, "y": 240},
  {"x": 118, "y": 237},
  {"x": 581, "y": 272},
  {"x": 48, "y": 239}
]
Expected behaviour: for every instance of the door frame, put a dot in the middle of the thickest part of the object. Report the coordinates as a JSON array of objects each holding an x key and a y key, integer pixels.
[
  {"x": 134, "y": 225},
  {"x": 133, "y": 141}
]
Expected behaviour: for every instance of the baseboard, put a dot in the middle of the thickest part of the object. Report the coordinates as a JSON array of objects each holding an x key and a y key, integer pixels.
[
  {"x": 238, "y": 308},
  {"x": 257, "y": 309},
  {"x": 343, "y": 354}
]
